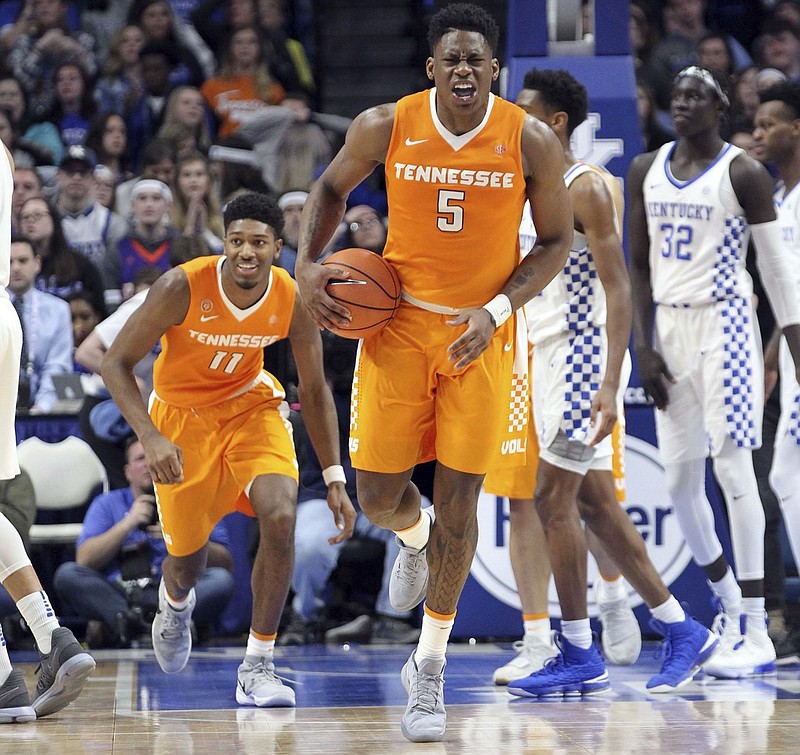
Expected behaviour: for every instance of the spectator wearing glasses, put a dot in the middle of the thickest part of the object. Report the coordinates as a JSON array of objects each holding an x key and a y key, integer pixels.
[
  {"x": 63, "y": 270},
  {"x": 365, "y": 228}
]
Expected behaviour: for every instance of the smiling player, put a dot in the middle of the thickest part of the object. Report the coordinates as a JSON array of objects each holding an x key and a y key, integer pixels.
[{"x": 215, "y": 439}]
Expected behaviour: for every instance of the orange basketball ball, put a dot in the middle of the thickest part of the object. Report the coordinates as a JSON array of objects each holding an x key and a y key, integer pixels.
[{"x": 371, "y": 293}]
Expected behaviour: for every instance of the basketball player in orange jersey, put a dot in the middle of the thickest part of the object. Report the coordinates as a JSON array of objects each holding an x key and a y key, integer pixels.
[
  {"x": 447, "y": 378},
  {"x": 581, "y": 326},
  {"x": 215, "y": 438}
]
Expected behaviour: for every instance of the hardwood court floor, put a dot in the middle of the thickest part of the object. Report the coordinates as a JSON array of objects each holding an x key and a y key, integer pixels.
[{"x": 350, "y": 701}]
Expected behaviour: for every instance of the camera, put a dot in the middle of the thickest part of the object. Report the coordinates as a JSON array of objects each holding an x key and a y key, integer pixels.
[{"x": 150, "y": 490}]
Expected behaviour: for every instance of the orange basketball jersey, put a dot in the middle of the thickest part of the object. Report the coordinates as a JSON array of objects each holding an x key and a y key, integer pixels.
[
  {"x": 217, "y": 352},
  {"x": 454, "y": 202}
]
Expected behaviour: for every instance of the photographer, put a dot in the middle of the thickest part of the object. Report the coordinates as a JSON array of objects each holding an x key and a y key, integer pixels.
[{"x": 115, "y": 577}]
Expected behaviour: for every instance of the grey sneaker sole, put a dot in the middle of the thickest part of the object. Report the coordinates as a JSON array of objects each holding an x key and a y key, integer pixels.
[
  {"x": 280, "y": 699},
  {"x": 21, "y": 715},
  {"x": 69, "y": 681}
]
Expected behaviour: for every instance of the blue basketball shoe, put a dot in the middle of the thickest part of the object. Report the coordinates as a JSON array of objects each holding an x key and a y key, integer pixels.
[
  {"x": 686, "y": 646},
  {"x": 574, "y": 671}
]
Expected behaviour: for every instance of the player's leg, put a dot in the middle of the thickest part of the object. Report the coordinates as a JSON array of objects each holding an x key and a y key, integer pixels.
[
  {"x": 620, "y": 634},
  {"x": 65, "y": 666},
  {"x": 579, "y": 667},
  {"x": 171, "y": 630},
  {"x": 690, "y": 643},
  {"x": 273, "y": 498},
  {"x": 621, "y": 637},
  {"x": 451, "y": 548},
  {"x": 755, "y": 652},
  {"x": 531, "y": 566}
]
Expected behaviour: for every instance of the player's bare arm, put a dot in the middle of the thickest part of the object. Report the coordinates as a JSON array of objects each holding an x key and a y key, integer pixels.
[
  {"x": 166, "y": 305},
  {"x": 319, "y": 412},
  {"x": 653, "y": 371},
  {"x": 364, "y": 149},
  {"x": 543, "y": 165},
  {"x": 753, "y": 186},
  {"x": 595, "y": 215}
]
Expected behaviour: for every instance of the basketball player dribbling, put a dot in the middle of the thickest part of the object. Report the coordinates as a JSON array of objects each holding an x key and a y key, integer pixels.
[
  {"x": 65, "y": 666},
  {"x": 215, "y": 438},
  {"x": 693, "y": 205},
  {"x": 447, "y": 378}
]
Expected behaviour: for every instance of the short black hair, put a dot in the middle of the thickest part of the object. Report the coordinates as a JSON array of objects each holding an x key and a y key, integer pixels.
[
  {"x": 156, "y": 150},
  {"x": 18, "y": 238},
  {"x": 787, "y": 92},
  {"x": 253, "y": 205},
  {"x": 774, "y": 25},
  {"x": 561, "y": 91},
  {"x": 466, "y": 17}
]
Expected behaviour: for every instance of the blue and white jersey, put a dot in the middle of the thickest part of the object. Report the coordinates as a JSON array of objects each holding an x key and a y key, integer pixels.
[
  {"x": 574, "y": 300},
  {"x": 787, "y": 207},
  {"x": 698, "y": 233},
  {"x": 86, "y": 233}
]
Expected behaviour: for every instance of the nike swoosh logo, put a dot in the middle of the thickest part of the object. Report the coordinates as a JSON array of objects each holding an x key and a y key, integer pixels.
[
  {"x": 206, "y": 318},
  {"x": 412, "y": 142},
  {"x": 507, "y": 347}
]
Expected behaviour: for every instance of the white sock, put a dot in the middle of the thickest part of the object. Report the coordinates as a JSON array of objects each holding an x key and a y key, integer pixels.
[
  {"x": 729, "y": 592},
  {"x": 5, "y": 661},
  {"x": 539, "y": 628},
  {"x": 416, "y": 536},
  {"x": 578, "y": 632},
  {"x": 40, "y": 617},
  {"x": 669, "y": 612},
  {"x": 179, "y": 605},
  {"x": 260, "y": 648},
  {"x": 434, "y": 635},
  {"x": 756, "y": 613}
]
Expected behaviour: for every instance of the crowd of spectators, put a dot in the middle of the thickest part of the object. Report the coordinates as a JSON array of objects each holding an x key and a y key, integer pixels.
[
  {"x": 132, "y": 123},
  {"x": 752, "y": 44}
]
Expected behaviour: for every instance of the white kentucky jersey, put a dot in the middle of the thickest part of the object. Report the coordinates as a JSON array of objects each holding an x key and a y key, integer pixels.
[
  {"x": 787, "y": 207},
  {"x": 86, "y": 232},
  {"x": 574, "y": 300},
  {"x": 698, "y": 233},
  {"x": 7, "y": 184}
]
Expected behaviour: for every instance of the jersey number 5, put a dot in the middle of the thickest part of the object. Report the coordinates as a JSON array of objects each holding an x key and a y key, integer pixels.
[
  {"x": 676, "y": 241},
  {"x": 451, "y": 215}
]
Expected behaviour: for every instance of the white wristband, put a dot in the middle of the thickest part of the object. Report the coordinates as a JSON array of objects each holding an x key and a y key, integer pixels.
[
  {"x": 333, "y": 473},
  {"x": 499, "y": 309}
]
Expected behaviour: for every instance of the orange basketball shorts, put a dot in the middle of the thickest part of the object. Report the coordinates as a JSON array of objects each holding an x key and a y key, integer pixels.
[
  {"x": 409, "y": 404},
  {"x": 225, "y": 447}
]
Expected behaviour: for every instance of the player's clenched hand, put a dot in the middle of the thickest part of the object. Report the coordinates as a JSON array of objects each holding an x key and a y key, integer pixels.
[
  {"x": 344, "y": 515},
  {"x": 474, "y": 340},
  {"x": 655, "y": 376},
  {"x": 164, "y": 460},
  {"x": 324, "y": 310}
]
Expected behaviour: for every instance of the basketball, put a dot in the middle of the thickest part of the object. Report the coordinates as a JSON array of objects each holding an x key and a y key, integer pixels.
[{"x": 372, "y": 293}]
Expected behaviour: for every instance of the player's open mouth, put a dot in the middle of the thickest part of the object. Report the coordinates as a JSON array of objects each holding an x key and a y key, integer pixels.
[
  {"x": 246, "y": 269},
  {"x": 464, "y": 91}
]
